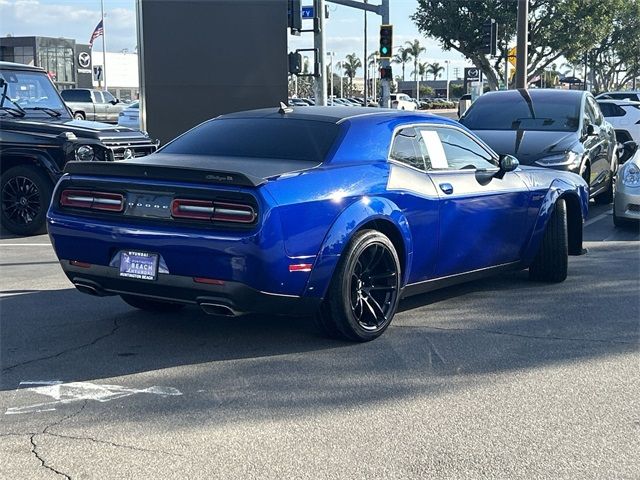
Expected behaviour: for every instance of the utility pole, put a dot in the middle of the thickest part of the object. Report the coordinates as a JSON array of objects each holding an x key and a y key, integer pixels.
[
  {"x": 319, "y": 42},
  {"x": 104, "y": 47},
  {"x": 383, "y": 11},
  {"x": 364, "y": 58},
  {"x": 522, "y": 48},
  {"x": 331, "y": 93},
  {"x": 447, "y": 62},
  {"x": 385, "y": 83}
]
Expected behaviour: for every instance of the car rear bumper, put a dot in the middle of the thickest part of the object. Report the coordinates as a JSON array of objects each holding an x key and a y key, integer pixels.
[
  {"x": 223, "y": 298},
  {"x": 627, "y": 202}
]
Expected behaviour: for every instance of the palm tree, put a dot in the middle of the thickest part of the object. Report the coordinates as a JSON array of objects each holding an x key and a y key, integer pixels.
[
  {"x": 422, "y": 70},
  {"x": 403, "y": 56},
  {"x": 351, "y": 65},
  {"x": 435, "y": 69},
  {"x": 415, "y": 49}
]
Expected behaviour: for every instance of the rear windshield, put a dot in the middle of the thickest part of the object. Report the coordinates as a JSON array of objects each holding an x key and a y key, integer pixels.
[
  {"x": 281, "y": 138},
  {"x": 558, "y": 113}
]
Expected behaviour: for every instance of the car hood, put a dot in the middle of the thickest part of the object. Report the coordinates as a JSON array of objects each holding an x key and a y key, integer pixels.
[
  {"x": 528, "y": 145},
  {"x": 80, "y": 128}
]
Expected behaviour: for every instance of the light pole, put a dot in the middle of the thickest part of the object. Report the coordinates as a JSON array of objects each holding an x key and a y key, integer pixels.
[
  {"x": 339, "y": 65},
  {"x": 447, "y": 62},
  {"x": 331, "y": 92}
]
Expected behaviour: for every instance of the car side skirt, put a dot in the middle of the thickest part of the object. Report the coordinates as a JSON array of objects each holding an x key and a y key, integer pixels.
[{"x": 450, "y": 280}]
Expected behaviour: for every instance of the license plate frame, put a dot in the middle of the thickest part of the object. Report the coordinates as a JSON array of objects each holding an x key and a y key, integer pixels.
[{"x": 139, "y": 265}]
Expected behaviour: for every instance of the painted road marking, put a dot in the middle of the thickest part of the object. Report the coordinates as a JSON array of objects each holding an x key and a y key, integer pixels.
[
  {"x": 598, "y": 218},
  {"x": 64, "y": 393}
]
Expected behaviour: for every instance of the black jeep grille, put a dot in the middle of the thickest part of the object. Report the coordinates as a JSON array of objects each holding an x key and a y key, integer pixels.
[{"x": 130, "y": 148}]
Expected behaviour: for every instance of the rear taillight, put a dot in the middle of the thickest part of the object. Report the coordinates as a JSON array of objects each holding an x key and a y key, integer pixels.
[
  {"x": 112, "y": 202},
  {"x": 212, "y": 211}
]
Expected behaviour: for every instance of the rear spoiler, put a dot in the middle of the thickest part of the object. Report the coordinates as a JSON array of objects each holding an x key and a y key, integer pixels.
[{"x": 157, "y": 172}]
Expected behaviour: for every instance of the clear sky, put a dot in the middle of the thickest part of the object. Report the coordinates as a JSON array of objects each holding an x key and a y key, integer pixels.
[{"x": 76, "y": 19}]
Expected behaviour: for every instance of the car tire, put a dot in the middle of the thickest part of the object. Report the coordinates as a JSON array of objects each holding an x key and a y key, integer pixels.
[
  {"x": 149, "y": 305},
  {"x": 79, "y": 116},
  {"x": 552, "y": 261},
  {"x": 25, "y": 194},
  {"x": 350, "y": 310}
]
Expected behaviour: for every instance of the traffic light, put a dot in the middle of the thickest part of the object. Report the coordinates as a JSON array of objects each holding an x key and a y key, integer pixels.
[
  {"x": 295, "y": 63},
  {"x": 295, "y": 16},
  {"x": 386, "y": 73},
  {"x": 386, "y": 44},
  {"x": 489, "y": 37}
]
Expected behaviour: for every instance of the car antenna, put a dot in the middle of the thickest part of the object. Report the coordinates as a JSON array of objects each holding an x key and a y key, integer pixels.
[{"x": 284, "y": 108}]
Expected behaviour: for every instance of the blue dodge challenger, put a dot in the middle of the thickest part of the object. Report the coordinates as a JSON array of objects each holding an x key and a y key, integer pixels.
[{"x": 331, "y": 211}]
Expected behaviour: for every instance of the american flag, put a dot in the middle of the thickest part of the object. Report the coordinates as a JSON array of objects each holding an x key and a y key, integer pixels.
[{"x": 96, "y": 33}]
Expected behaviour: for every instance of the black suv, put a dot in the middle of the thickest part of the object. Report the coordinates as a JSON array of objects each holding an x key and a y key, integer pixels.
[{"x": 38, "y": 136}]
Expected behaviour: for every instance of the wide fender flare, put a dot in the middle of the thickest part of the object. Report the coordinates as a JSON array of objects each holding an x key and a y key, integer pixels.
[
  {"x": 359, "y": 213},
  {"x": 558, "y": 188},
  {"x": 37, "y": 157}
]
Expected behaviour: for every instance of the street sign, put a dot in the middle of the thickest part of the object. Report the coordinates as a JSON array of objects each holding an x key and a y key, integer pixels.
[
  {"x": 97, "y": 72},
  {"x": 307, "y": 12}
]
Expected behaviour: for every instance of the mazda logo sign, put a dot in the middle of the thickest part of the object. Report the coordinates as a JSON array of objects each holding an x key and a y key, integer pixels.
[{"x": 84, "y": 59}]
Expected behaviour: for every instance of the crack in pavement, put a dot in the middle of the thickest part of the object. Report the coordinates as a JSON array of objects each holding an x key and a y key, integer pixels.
[
  {"x": 521, "y": 335},
  {"x": 113, "y": 444},
  {"x": 34, "y": 446},
  {"x": 116, "y": 326}
]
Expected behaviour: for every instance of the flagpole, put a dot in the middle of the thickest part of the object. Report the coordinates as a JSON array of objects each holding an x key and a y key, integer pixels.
[{"x": 104, "y": 48}]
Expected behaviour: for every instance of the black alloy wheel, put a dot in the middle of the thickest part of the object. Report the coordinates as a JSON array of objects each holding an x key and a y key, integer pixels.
[
  {"x": 365, "y": 290},
  {"x": 373, "y": 288},
  {"x": 25, "y": 197}
]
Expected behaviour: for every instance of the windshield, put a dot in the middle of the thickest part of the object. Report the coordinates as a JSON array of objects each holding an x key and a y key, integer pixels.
[
  {"x": 281, "y": 138},
  {"x": 556, "y": 113},
  {"x": 31, "y": 91}
]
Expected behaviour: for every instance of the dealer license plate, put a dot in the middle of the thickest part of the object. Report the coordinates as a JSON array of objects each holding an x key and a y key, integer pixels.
[{"x": 140, "y": 265}]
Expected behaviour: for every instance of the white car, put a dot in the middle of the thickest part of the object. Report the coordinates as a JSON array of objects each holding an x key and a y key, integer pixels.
[
  {"x": 402, "y": 101},
  {"x": 624, "y": 115},
  {"x": 633, "y": 95},
  {"x": 130, "y": 116},
  {"x": 626, "y": 202}
]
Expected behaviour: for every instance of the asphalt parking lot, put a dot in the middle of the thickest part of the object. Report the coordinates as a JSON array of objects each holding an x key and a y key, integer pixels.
[{"x": 502, "y": 378}]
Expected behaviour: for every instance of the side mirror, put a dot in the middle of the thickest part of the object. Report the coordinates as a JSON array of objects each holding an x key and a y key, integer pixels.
[
  {"x": 590, "y": 130},
  {"x": 114, "y": 101},
  {"x": 508, "y": 163},
  {"x": 628, "y": 150}
]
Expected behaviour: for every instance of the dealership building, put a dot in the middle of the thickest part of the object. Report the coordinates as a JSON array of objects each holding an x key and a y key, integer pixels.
[{"x": 71, "y": 64}]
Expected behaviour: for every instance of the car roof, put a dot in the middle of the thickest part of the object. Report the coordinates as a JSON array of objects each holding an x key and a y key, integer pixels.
[
  {"x": 535, "y": 93},
  {"x": 19, "y": 66},
  {"x": 620, "y": 103},
  {"x": 335, "y": 114}
]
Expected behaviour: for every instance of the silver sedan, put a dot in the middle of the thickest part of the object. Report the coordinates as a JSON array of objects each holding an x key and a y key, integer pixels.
[{"x": 626, "y": 203}]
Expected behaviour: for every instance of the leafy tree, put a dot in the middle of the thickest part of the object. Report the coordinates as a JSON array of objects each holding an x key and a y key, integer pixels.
[
  {"x": 435, "y": 69},
  {"x": 351, "y": 65},
  {"x": 403, "y": 57},
  {"x": 415, "y": 49},
  {"x": 558, "y": 28}
]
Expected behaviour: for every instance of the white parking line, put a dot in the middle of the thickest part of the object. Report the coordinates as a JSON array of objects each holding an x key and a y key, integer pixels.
[
  {"x": 25, "y": 244},
  {"x": 598, "y": 218}
]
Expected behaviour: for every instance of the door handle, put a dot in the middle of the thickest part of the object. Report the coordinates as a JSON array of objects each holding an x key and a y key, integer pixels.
[{"x": 446, "y": 188}]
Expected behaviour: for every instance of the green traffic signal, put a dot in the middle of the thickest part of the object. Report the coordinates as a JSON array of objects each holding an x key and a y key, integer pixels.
[{"x": 386, "y": 40}]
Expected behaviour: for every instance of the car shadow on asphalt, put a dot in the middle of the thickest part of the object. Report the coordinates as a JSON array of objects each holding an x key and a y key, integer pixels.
[{"x": 437, "y": 340}]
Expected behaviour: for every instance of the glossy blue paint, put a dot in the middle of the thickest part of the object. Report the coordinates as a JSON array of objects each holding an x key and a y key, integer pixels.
[{"x": 310, "y": 216}]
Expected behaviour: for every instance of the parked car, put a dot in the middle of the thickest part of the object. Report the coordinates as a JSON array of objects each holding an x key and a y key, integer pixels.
[
  {"x": 94, "y": 105},
  {"x": 559, "y": 129},
  {"x": 38, "y": 137},
  {"x": 334, "y": 210},
  {"x": 130, "y": 116},
  {"x": 298, "y": 102},
  {"x": 402, "y": 101},
  {"x": 633, "y": 95},
  {"x": 624, "y": 115},
  {"x": 626, "y": 204}
]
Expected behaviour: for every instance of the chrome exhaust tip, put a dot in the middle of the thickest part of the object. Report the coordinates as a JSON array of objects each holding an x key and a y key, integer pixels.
[{"x": 218, "y": 309}]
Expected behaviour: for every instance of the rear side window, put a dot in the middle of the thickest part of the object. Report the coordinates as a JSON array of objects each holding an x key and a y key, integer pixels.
[
  {"x": 611, "y": 110},
  {"x": 405, "y": 149},
  {"x": 76, "y": 95},
  {"x": 281, "y": 138}
]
